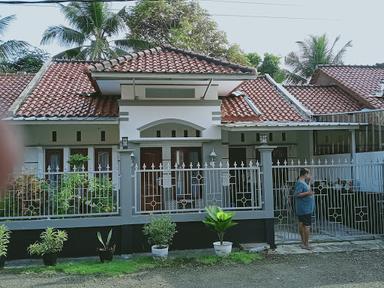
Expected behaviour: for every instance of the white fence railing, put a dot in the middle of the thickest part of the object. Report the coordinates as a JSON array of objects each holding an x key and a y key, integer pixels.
[
  {"x": 349, "y": 199},
  {"x": 191, "y": 188},
  {"x": 56, "y": 194}
]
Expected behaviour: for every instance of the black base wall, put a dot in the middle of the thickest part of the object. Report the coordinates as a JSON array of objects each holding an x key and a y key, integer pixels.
[{"x": 130, "y": 239}]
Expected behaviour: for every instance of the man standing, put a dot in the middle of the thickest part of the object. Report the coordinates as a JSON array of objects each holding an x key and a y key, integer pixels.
[{"x": 305, "y": 205}]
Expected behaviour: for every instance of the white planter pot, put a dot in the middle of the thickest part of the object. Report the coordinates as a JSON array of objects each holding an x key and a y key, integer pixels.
[
  {"x": 159, "y": 252},
  {"x": 222, "y": 250}
]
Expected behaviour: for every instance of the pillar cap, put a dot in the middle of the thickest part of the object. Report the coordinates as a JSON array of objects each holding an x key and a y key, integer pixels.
[{"x": 265, "y": 147}]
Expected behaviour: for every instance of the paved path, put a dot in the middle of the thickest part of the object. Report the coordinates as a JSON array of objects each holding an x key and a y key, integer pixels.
[{"x": 326, "y": 270}]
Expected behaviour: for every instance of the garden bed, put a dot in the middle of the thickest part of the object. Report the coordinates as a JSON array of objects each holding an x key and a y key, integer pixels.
[{"x": 137, "y": 263}]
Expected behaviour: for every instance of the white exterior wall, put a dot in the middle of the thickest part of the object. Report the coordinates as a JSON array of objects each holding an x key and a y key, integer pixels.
[{"x": 207, "y": 117}]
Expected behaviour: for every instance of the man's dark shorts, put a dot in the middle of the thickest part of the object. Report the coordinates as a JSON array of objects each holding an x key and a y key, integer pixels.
[{"x": 305, "y": 219}]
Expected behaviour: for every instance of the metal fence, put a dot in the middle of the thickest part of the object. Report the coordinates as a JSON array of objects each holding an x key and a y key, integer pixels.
[
  {"x": 191, "y": 188},
  {"x": 349, "y": 199},
  {"x": 57, "y": 194}
]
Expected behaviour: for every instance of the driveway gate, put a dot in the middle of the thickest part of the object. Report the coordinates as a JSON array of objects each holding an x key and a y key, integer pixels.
[{"x": 349, "y": 200}]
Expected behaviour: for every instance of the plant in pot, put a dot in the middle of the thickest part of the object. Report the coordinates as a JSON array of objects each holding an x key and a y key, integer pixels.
[
  {"x": 160, "y": 232},
  {"x": 106, "y": 252},
  {"x": 52, "y": 242},
  {"x": 5, "y": 234},
  {"x": 220, "y": 221}
]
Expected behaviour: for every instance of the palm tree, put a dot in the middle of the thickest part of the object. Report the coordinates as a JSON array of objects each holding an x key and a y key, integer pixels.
[
  {"x": 11, "y": 48},
  {"x": 314, "y": 50},
  {"x": 92, "y": 26}
]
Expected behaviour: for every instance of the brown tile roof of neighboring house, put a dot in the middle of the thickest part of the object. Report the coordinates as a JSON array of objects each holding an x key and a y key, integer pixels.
[
  {"x": 362, "y": 80},
  {"x": 324, "y": 99},
  {"x": 169, "y": 60},
  {"x": 64, "y": 90},
  {"x": 11, "y": 86},
  {"x": 265, "y": 97}
]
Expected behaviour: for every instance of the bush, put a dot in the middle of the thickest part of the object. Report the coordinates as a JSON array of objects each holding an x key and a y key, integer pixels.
[
  {"x": 5, "y": 235},
  {"x": 52, "y": 242},
  {"x": 219, "y": 221},
  {"x": 160, "y": 231}
]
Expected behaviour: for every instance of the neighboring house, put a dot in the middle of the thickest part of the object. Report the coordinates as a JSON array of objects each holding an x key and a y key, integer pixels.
[{"x": 175, "y": 131}]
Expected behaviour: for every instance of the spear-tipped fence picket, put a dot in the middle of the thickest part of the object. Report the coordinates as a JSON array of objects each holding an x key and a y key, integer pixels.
[
  {"x": 191, "y": 187},
  {"x": 58, "y": 194}
]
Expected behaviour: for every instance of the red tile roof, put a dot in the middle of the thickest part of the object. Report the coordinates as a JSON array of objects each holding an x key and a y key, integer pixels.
[
  {"x": 170, "y": 60},
  {"x": 11, "y": 86},
  {"x": 324, "y": 99},
  {"x": 266, "y": 97},
  {"x": 64, "y": 90},
  {"x": 362, "y": 80}
]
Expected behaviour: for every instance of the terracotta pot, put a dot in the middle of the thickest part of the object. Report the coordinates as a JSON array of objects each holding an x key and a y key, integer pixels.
[
  {"x": 222, "y": 250},
  {"x": 50, "y": 259}
]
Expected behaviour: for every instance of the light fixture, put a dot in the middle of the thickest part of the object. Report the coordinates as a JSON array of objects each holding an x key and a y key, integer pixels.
[
  {"x": 263, "y": 139},
  {"x": 213, "y": 155},
  {"x": 124, "y": 142},
  {"x": 132, "y": 157}
]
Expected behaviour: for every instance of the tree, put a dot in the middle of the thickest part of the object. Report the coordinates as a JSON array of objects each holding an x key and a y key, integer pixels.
[
  {"x": 313, "y": 51},
  {"x": 10, "y": 48},
  {"x": 270, "y": 64},
  {"x": 182, "y": 24},
  {"x": 29, "y": 61},
  {"x": 92, "y": 26}
]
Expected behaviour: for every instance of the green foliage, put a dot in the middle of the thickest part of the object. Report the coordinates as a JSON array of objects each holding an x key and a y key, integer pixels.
[
  {"x": 219, "y": 221},
  {"x": 270, "y": 64},
  {"x": 78, "y": 161},
  {"x": 52, "y": 241},
  {"x": 93, "y": 24},
  {"x": 100, "y": 194},
  {"x": 182, "y": 24},
  {"x": 137, "y": 264},
  {"x": 160, "y": 231},
  {"x": 30, "y": 62},
  {"x": 313, "y": 51},
  {"x": 5, "y": 235},
  {"x": 106, "y": 244}
]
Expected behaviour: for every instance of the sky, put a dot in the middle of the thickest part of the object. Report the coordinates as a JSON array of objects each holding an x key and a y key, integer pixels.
[{"x": 256, "y": 25}]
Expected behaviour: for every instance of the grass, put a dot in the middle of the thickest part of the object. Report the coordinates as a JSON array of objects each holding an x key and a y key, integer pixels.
[{"x": 119, "y": 266}]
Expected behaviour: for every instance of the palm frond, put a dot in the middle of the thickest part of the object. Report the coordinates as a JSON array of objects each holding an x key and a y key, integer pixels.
[
  {"x": 64, "y": 35},
  {"x": 132, "y": 44},
  {"x": 12, "y": 48},
  {"x": 73, "y": 53},
  {"x": 338, "y": 58},
  {"x": 4, "y": 22}
]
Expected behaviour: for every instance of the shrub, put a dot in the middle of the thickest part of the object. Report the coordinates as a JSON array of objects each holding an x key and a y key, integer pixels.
[
  {"x": 52, "y": 242},
  {"x": 78, "y": 161},
  {"x": 5, "y": 235},
  {"x": 219, "y": 221},
  {"x": 160, "y": 231}
]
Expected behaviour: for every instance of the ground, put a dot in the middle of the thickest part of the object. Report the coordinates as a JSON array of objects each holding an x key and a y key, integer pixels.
[{"x": 326, "y": 270}]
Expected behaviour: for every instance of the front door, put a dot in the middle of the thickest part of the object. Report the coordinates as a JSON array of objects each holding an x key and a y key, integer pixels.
[
  {"x": 54, "y": 160},
  {"x": 151, "y": 192}
]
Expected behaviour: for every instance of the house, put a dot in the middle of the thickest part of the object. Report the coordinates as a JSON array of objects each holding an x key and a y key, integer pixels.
[{"x": 175, "y": 131}]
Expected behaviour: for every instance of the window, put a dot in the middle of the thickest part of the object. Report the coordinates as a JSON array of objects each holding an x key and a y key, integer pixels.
[
  {"x": 284, "y": 136},
  {"x": 158, "y": 133},
  {"x": 78, "y": 136},
  {"x": 103, "y": 158},
  {"x": 198, "y": 134},
  {"x": 258, "y": 137},
  {"x": 185, "y": 133},
  {"x": 173, "y": 133},
  {"x": 162, "y": 93},
  {"x": 54, "y": 159},
  {"x": 270, "y": 137},
  {"x": 102, "y": 136},
  {"x": 54, "y": 136},
  {"x": 242, "y": 137}
]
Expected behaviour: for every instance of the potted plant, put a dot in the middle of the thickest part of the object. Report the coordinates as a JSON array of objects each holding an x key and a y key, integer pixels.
[
  {"x": 52, "y": 242},
  {"x": 160, "y": 232},
  {"x": 220, "y": 222},
  {"x": 5, "y": 234},
  {"x": 106, "y": 252}
]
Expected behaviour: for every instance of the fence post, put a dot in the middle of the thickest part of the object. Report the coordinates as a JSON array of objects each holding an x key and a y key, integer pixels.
[
  {"x": 126, "y": 202},
  {"x": 267, "y": 186}
]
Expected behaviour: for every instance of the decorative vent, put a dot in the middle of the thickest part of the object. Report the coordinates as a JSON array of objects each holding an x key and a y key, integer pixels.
[{"x": 252, "y": 105}]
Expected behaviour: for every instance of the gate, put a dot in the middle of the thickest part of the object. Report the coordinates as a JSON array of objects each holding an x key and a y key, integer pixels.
[{"x": 349, "y": 200}]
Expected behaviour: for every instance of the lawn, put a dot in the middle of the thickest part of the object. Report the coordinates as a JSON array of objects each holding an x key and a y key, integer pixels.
[{"x": 139, "y": 263}]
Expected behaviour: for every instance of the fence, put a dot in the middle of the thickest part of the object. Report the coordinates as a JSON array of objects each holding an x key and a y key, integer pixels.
[
  {"x": 349, "y": 199},
  {"x": 190, "y": 188},
  {"x": 57, "y": 194}
]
